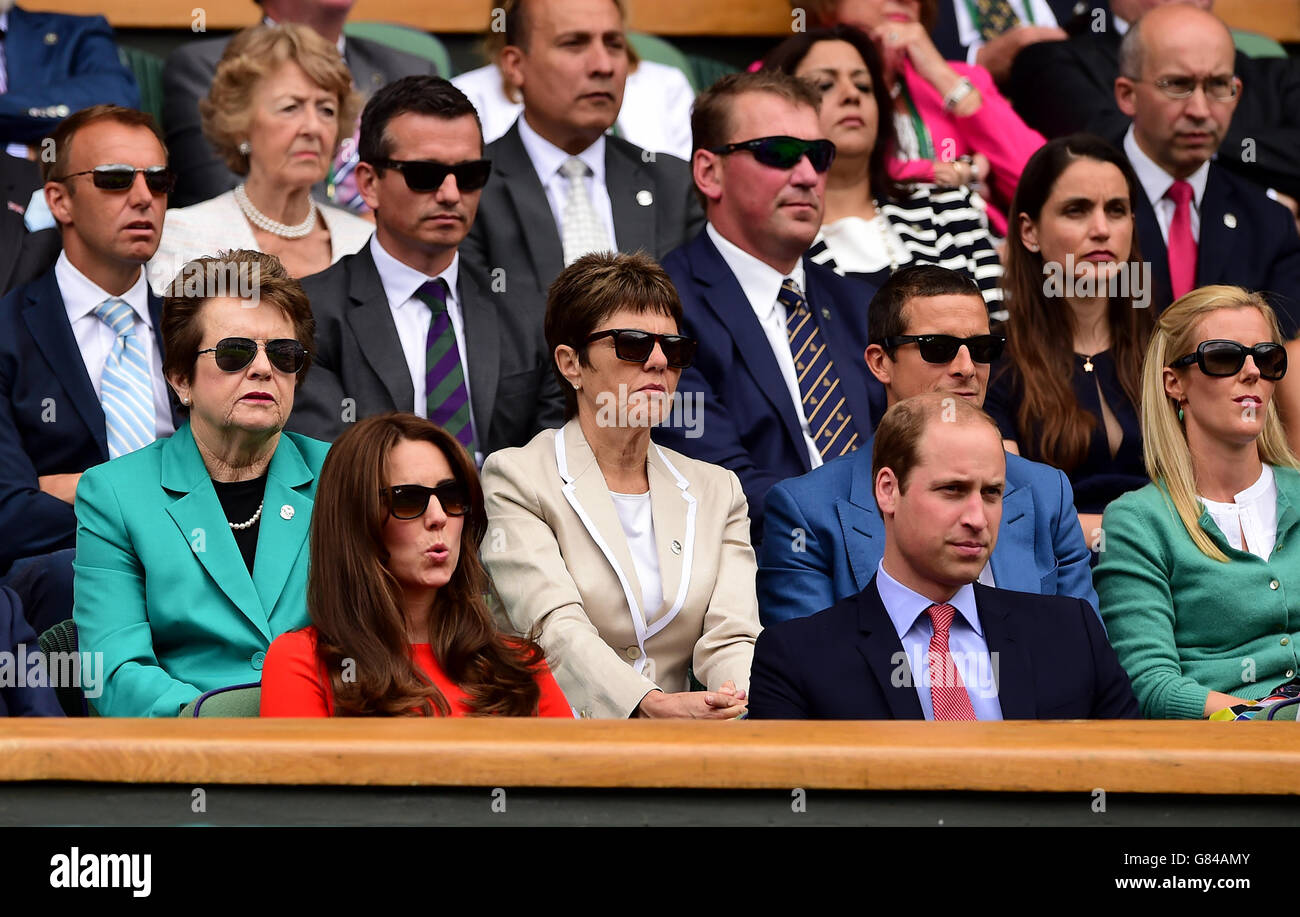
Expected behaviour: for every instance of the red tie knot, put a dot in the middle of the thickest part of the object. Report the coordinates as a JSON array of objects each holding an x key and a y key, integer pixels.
[
  {"x": 1180, "y": 192},
  {"x": 941, "y": 617}
]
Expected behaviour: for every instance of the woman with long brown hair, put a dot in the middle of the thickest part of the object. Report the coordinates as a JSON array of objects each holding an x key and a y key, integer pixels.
[
  {"x": 1068, "y": 390},
  {"x": 396, "y": 591}
]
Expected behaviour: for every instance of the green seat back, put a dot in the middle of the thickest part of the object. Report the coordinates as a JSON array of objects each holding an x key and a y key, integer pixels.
[
  {"x": 147, "y": 69},
  {"x": 1253, "y": 44},
  {"x": 654, "y": 48},
  {"x": 404, "y": 38},
  {"x": 707, "y": 70},
  {"x": 236, "y": 700}
]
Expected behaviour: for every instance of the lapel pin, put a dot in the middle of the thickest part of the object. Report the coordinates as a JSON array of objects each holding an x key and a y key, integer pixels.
[
  {"x": 675, "y": 547},
  {"x": 826, "y": 314},
  {"x": 286, "y": 512},
  {"x": 1230, "y": 220},
  {"x": 644, "y": 198},
  {"x": 51, "y": 38}
]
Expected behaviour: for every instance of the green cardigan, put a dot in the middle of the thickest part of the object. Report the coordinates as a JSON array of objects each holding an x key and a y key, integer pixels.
[{"x": 1184, "y": 624}]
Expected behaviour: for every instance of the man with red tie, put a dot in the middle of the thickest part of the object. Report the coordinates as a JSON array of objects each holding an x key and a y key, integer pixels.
[{"x": 936, "y": 643}]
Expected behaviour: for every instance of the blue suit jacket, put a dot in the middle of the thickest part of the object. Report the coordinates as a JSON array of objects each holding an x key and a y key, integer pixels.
[
  {"x": 824, "y": 537},
  {"x": 51, "y": 420},
  {"x": 58, "y": 64},
  {"x": 746, "y": 420},
  {"x": 1052, "y": 662},
  {"x": 15, "y": 632}
]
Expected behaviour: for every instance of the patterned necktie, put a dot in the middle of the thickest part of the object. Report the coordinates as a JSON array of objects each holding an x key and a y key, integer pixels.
[
  {"x": 583, "y": 229},
  {"x": 948, "y": 695},
  {"x": 1182, "y": 244},
  {"x": 829, "y": 420},
  {"x": 126, "y": 389},
  {"x": 995, "y": 17},
  {"x": 342, "y": 188},
  {"x": 446, "y": 397}
]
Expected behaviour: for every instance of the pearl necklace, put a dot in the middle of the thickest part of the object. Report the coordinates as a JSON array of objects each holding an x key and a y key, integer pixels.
[
  {"x": 240, "y": 526},
  {"x": 264, "y": 222}
]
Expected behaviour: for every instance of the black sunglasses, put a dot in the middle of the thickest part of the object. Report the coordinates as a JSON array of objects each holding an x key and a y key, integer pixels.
[
  {"x": 636, "y": 346},
  {"x": 1226, "y": 358},
  {"x": 234, "y": 354},
  {"x": 409, "y": 501},
  {"x": 942, "y": 348},
  {"x": 117, "y": 177},
  {"x": 428, "y": 175},
  {"x": 784, "y": 152}
]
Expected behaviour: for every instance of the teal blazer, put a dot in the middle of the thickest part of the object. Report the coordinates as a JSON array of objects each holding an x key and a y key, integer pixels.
[{"x": 161, "y": 589}]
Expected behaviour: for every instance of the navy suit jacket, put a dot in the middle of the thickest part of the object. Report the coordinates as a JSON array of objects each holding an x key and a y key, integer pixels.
[
  {"x": 746, "y": 420},
  {"x": 15, "y": 631},
  {"x": 58, "y": 64},
  {"x": 51, "y": 421},
  {"x": 823, "y": 537},
  {"x": 1052, "y": 662}
]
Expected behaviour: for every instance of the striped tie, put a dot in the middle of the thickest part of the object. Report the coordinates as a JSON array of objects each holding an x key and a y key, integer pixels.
[
  {"x": 446, "y": 397},
  {"x": 948, "y": 695},
  {"x": 126, "y": 390},
  {"x": 994, "y": 18},
  {"x": 829, "y": 421}
]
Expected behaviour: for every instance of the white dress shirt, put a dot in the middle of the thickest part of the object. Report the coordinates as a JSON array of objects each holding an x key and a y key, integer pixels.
[
  {"x": 411, "y": 316},
  {"x": 636, "y": 517},
  {"x": 547, "y": 159},
  {"x": 1253, "y": 511},
  {"x": 95, "y": 339},
  {"x": 1156, "y": 182},
  {"x": 760, "y": 282},
  {"x": 966, "y": 644},
  {"x": 970, "y": 37}
]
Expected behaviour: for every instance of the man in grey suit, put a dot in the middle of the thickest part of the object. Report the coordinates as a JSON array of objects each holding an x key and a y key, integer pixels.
[
  {"x": 188, "y": 73},
  {"x": 403, "y": 325},
  {"x": 560, "y": 187}
]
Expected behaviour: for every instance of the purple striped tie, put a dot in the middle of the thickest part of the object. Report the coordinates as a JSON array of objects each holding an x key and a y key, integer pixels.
[{"x": 446, "y": 397}]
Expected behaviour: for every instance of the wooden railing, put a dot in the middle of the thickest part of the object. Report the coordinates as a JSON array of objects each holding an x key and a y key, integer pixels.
[{"x": 1028, "y": 757}]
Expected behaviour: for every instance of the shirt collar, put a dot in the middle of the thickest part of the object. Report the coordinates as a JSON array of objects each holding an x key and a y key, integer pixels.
[
  {"x": 1155, "y": 180},
  {"x": 759, "y": 281},
  {"x": 547, "y": 157},
  {"x": 1254, "y": 493},
  {"x": 1121, "y": 25},
  {"x": 81, "y": 295},
  {"x": 401, "y": 281},
  {"x": 904, "y": 606},
  {"x": 4, "y": 21}
]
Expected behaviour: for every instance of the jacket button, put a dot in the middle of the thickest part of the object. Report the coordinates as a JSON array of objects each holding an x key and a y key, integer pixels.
[
  {"x": 1273, "y": 584},
  {"x": 1290, "y": 673},
  {"x": 257, "y": 660},
  {"x": 634, "y": 652},
  {"x": 1286, "y": 640}
]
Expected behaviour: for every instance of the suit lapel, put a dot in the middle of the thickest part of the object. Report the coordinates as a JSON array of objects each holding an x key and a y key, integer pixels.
[
  {"x": 1016, "y": 543},
  {"x": 282, "y": 533},
  {"x": 673, "y": 507},
  {"x": 1215, "y": 248},
  {"x": 860, "y": 522},
  {"x": 880, "y": 647},
  {"x": 1015, "y": 680},
  {"x": 1153, "y": 249},
  {"x": 371, "y": 321},
  {"x": 629, "y": 186},
  {"x": 47, "y": 320},
  {"x": 483, "y": 351},
  {"x": 519, "y": 179},
  {"x": 197, "y": 513}
]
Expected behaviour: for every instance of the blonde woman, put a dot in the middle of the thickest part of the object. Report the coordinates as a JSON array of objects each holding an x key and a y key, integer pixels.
[{"x": 1199, "y": 579}]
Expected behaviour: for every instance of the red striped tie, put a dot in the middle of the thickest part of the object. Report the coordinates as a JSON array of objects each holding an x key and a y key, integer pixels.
[{"x": 947, "y": 693}]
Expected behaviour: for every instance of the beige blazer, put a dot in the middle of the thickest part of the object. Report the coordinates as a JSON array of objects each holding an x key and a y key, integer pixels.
[{"x": 558, "y": 557}]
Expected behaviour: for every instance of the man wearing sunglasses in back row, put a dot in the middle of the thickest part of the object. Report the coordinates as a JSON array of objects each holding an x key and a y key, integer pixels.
[
  {"x": 403, "y": 324},
  {"x": 778, "y": 379},
  {"x": 824, "y": 535},
  {"x": 80, "y": 353}
]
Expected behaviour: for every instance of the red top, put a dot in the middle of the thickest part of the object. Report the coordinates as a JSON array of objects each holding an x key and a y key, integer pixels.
[{"x": 293, "y": 683}]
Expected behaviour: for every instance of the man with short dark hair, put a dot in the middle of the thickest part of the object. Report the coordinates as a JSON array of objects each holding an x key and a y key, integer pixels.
[
  {"x": 936, "y": 643},
  {"x": 823, "y": 533},
  {"x": 778, "y": 376},
  {"x": 402, "y": 325},
  {"x": 561, "y": 187}
]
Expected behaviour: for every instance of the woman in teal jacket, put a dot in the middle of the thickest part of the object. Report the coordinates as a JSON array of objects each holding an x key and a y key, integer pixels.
[
  {"x": 1199, "y": 578},
  {"x": 192, "y": 551}
]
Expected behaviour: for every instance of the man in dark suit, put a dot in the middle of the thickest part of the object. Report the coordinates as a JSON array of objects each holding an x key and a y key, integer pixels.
[
  {"x": 83, "y": 335},
  {"x": 778, "y": 379},
  {"x": 51, "y": 65},
  {"x": 189, "y": 70},
  {"x": 924, "y": 639},
  {"x": 388, "y": 316},
  {"x": 560, "y": 187},
  {"x": 23, "y": 255}
]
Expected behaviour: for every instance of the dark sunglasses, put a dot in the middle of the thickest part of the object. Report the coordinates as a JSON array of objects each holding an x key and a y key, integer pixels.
[
  {"x": 428, "y": 175},
  {"x": 942, "y": 348},
  {"x": 409, "y": 501},
  {"x": 159, "y": 179},
  {"x": 234, "y": 354},
  {"x": 636, "y": 346},
  {"x": 784, "y": 152},
  {"x": 1226, "y": 358}
]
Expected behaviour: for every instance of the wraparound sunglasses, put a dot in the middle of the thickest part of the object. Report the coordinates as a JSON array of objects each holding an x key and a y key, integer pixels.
[
  {"x": 428, "y": 175},
  {"x": 119, "y": 177},
  {"x": 784, "y": 152}
]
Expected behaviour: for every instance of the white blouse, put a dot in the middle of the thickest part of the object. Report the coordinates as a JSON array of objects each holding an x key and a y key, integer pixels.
[
  {"x": 1253, "y": 511},
  {"x": 639, "y": 526},
  {"x": 865, "y": 246}
]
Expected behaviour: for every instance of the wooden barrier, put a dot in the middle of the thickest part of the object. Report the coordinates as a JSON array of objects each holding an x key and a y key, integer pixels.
[
  {"x": 1279, "y": 19},
  {"x": 1257, "y": 759}
]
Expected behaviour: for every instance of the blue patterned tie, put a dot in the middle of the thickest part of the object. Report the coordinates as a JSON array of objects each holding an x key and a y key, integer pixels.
[
  {"x": 829, "y": 420},
  {"x": 126, "y": 390},
  {"x": 446, "y": 397}
]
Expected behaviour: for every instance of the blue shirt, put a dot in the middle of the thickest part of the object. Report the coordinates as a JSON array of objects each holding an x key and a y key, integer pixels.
[{"x": 966, "y": 644}]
